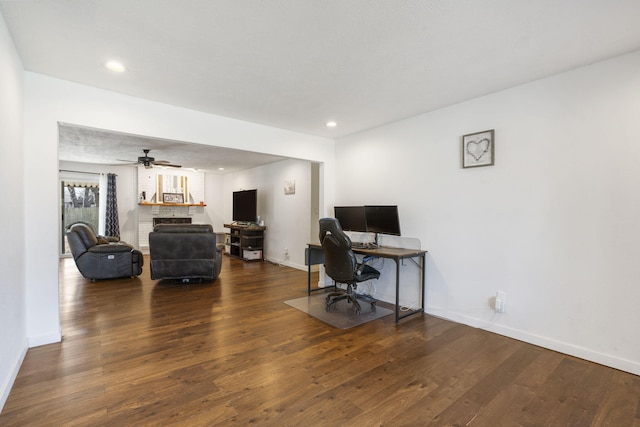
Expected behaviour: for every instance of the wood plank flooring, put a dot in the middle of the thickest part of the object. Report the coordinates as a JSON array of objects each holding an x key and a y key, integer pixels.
[{"x": 140, "y": 352}]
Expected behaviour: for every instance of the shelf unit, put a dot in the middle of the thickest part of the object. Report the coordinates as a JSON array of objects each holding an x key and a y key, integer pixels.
[{"x": 245, "y": 242}]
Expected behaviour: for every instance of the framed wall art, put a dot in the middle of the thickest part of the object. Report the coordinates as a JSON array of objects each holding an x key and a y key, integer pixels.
[
  {"x": 478, "y": 149},
  {"x": 290, "y": 187},
  {"x": 172, "y": 198},
  {"x": 173, "y": 185}
]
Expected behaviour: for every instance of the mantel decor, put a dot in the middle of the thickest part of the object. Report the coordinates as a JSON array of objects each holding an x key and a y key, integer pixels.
[
  {"x": 170, "y": 186},
  {"x": 175, "y": 198},
  {"x": 478, "y": 149},
  {"x": 178, "y": 205}
]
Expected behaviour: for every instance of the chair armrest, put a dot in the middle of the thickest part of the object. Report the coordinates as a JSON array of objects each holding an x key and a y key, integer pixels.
[
  {"x": 110, "y": 248},
  {"x": 362, "y": 265}
]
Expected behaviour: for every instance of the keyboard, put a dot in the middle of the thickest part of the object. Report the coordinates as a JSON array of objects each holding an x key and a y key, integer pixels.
[{"x": 363, "y": 245}]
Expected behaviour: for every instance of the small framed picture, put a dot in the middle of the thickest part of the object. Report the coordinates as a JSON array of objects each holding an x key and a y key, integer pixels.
[
  {"x": 290, "y": 187},
  {"x": 172, "y": 198},
  {"x": 478, "y": 149}
]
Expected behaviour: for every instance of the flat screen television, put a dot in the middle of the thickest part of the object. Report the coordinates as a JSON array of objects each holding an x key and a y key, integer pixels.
[
  {"x": 245, "y": 205},
  {"x": 351, "y": 218},
  {"x": 382, "y": 219}
]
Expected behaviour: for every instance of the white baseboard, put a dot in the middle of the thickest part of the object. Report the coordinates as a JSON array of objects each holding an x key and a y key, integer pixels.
[
  {"x": 286, "y": 263},
  {"x": 541, "y": 341},
  {"x": 45, "y": 339},
  {"x": 15, "y": 368}
]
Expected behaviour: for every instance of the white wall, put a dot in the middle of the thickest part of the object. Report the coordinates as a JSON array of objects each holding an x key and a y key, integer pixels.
[
  {"x": 13, "y": 333},
  {"x": 554, "y": 223},
  {"x": 286, "y": 216},
  {"x": 49, "y": 101},
  {"x": 214, "y": 198}
]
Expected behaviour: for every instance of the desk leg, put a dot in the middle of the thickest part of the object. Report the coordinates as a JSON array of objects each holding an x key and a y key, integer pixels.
[
  {"x": 309, "y": 279},
  {"x": 424, "y": 267},
  {"x": 397, "y": 290},
  {"x": 422, "y": 282}
]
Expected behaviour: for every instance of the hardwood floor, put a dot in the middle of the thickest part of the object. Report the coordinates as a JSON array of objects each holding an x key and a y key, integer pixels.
[{"x": 140, "y": 352}]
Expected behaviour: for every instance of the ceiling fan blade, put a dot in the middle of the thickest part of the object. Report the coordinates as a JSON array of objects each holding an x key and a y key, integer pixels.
[
  {"x": 128, "y": 163},
  {"x": 166, "y": 163}
]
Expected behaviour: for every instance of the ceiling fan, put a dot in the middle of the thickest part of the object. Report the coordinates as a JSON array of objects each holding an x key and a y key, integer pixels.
[{"x": 149, "y": 162}]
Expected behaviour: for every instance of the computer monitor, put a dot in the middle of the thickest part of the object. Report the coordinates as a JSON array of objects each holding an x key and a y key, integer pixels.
[
  {"x": 382, "y": 219},
  {"x": 351, "y": 218}
]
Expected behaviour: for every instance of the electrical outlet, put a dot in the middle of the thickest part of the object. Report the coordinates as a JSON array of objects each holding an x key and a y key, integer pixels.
[{"x": 501, "y": 302}]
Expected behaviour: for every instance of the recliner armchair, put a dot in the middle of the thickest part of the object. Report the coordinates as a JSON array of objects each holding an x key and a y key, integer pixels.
[
  {"x": 341, "y": 265},
  {"x": 101, "y": 239},
  {"x": 107, "y": 260},
  {"x": 184, "y": 252}
]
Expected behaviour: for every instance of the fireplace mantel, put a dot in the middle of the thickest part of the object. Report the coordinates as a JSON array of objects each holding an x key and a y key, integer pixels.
[{"x": 170, "y": 204}]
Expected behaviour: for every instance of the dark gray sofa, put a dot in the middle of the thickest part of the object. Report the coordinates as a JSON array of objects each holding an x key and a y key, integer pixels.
[
  {"x": 97, "y": 258},
  {"x": 185, "y": 252}
]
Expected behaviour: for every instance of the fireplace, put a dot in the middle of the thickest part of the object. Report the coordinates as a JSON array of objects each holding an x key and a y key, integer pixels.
[{"x": 172, "y": 220}]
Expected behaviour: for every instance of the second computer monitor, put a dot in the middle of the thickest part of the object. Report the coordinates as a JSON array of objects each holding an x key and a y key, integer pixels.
[
  {"x": 351, "y": 218},
  {"x": 382, "y": 219}
]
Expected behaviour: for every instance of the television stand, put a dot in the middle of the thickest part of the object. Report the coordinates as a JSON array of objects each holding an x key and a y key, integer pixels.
[{"x": 245, "y": 242}]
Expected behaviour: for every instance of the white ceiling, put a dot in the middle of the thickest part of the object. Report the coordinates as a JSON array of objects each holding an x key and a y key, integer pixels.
[
  {"x": 296, "y": 64},
  {"x": 90, "y": 145}
]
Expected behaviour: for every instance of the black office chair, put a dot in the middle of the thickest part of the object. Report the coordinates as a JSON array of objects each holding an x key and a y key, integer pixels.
[{"x": 341, "y": 265}]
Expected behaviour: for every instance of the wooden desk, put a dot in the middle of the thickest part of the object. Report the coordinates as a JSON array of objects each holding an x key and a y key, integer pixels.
[{"x": 314, "y": 255}]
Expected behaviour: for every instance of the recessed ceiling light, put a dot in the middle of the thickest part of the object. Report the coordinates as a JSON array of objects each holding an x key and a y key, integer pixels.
[
  {"x": 220, "y": 169},
  {"x": 115, "y": 66},
  {"x": 331, "y": 124}
]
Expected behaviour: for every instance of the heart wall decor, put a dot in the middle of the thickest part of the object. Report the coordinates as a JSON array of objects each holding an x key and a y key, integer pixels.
[{"x": 478, "y": 149}]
